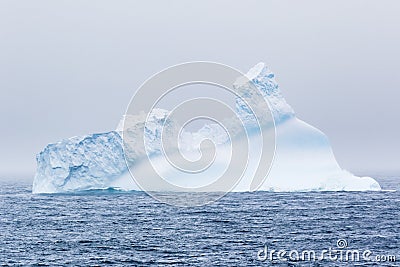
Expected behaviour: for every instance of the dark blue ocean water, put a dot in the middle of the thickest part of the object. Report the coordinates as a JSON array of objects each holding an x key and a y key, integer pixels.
[{"x": 114, "y": 228}]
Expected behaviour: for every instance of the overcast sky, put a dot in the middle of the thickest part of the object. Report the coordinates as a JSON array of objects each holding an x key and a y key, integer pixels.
[{"x": 70, "y": 67}]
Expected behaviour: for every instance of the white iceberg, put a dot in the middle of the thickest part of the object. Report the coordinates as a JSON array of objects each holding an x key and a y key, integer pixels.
[{"x": 303, "y": 161}]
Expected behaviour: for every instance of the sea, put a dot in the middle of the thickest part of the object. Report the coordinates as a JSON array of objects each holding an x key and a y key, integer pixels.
[{"x": 114, "y": 228}]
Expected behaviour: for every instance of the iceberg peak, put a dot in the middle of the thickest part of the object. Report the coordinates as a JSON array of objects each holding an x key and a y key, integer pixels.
[
  {"x": 259, "y": 70},
  {"x": 264, "y": 79}
]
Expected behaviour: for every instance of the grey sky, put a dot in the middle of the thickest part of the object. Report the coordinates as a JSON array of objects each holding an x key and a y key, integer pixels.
[{"x": 70, "y": 67}]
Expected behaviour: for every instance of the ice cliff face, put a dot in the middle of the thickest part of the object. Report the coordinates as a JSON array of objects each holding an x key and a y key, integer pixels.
[
  {"x": 303, "y": 160},
  {"x": 95, "y": 161},
  {"x": 80, "y": 163}
]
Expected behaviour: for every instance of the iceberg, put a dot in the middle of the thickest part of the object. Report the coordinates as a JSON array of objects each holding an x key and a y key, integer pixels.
[{"x": 304, "y": 160}]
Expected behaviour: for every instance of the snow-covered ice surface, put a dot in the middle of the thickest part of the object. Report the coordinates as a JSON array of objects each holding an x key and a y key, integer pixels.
[{"x": 303, "y": 161}]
